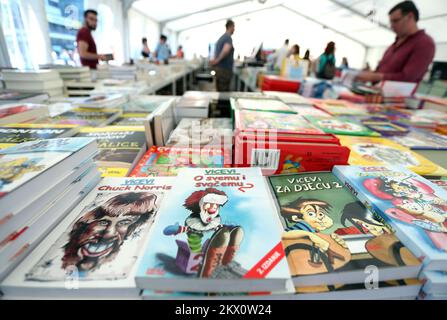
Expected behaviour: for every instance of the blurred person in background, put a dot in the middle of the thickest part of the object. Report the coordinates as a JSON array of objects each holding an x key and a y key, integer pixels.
[
  {"x": 145, "y": 51},
  {"x": 326, "y": 63}
]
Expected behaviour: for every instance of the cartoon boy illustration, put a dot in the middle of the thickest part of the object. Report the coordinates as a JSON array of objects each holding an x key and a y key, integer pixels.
[
  {"x": 361, "y": 221},
  {"x": 15, "y": 169},
  {"x": 308, "y": 218},
  {"x": 225, "y": 241},
  {"x": 414, "y": 203}
]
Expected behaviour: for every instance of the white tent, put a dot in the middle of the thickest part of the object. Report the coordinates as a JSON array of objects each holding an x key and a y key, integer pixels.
[{"x": 359, "y": 27}]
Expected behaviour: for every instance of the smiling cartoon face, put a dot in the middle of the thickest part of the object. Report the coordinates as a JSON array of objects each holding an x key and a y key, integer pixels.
[
  {"x": 376, "y": 229},
  {"x": 313, "y": 212},
  {"x": 98, "y": 235},
  {"x": 210, "y": 207}
]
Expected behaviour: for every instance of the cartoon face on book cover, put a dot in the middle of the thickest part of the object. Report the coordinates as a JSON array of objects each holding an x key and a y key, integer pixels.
[
  {"x": 105, "y": 240},
  {"x": 218, "y": 223},
  {"x": 412, "y": 203},
  {"x": 329, "y": 230}
]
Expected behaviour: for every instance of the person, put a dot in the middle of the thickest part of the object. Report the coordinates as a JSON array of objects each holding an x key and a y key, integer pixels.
[
  {"x": 294, "y": 52},
  {"x": 344, "y": 63},
  {"x": 326, "y": 65},
  {"x": 224, "y": 58},
  {"x": 309, "y": 61},
  {"x": 281, "y": 54},
  {"x": 86, "y": 44},
  {"x": 145, "y": 51},
  {"x": 162, "y": 52},
  {"x": 367, "y": 67},
  {"x": 180, "y": 54},
  {"x": 409, "y": 57}
]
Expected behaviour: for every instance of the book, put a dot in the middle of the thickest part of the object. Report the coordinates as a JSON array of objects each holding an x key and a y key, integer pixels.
[
  {"x": 267, "y": 105},
  {"x": 287, "y": 153},
  {"x": 435, "y": 282},
  {"x": 31, "y": 75},
  {"x": 192, "y": 108},
  {"x": 102, "y": 101},
  {"x": 372, "y": 151},
  {"x": 340, "y": 107},
  {"x": 411, "y": 205},
  {"x": 131, "y": 119},
  {"x": 16, "y": 113},
  {"x": 273, "y": 122},
  {"x": 217, "y": 247},
  {"x": 84, "y": 117},
  {"x": 120, "y": 148},
  {"x": 289, "y": 98},
  {"x": 14, "y": 96},
  {"x": 18, "y": 133},
  {"x": 305, "y": 110},
  {"x": 94, "y": 251},
  {"x": 331, "y": 238},
  {"x": 385, "y": 127},
  {"x": 146, "y": 103},
  {"x": 341, "y": 126},
  {"x": 167, "y": 161},
  {"x": 30, "y": 85},
  {"x": 161, "y": 123}
]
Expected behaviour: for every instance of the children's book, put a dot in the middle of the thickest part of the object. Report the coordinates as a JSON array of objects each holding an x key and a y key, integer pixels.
[
  {"x": 167, "y": 161},
  {"x": 372, "y": 151},
  {"x": 219, "y": 232},
  {"x": 96, "y": 249},
  {"x": 18, "y": 133},
  {"x": 268, "y": 105},
  {"x": 409, "y": 204},
  {"x": 270, "y": 121},
  {"x": 120, "y": 148},
  {"x": 423, "y": 140},
  {"x": 331, "y": 238},
  {"x": 340, "y": 108},
  {"x": 341, "y": 126}
]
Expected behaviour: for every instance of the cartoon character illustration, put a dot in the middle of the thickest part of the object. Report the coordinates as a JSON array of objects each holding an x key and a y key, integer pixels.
[
  {"x": 414, "y": 203},
  {"x": 380, "y": 153},
  {"x": 334, "y": 124},
  {"x": 97, "y": 237},
  {"x": 361, "y": 221},
  {"x": 308, "y": 218},
  {"x": 13, "y": 170},
  {"x": 221, "y": 248},
  {"x": 292, "y": 165}
]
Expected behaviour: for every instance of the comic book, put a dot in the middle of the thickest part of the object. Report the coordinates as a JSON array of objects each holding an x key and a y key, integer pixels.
[
  {"x": 331, "y": 238},
  {"x": 219, "y": 232},
  {"x": 96, "y": 249},
  {"x": 18, "y": 133},
  {"x": 167, "y": 161},
  {"x": 342, "y": 126},
  {"x": 270, "y": 121},
  {"x": 120, "y": 148},
  {"x": 411, "y": 205},
  {"x": 372, "y": 151}
]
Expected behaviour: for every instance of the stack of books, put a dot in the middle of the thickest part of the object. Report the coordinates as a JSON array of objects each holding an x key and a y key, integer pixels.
[
  {"x": 79, "y": 89},
  {"x": 132, "y": 118},
  {"x": 412, "y": 206},
  {"x": 22, "y": 112},
  {"x": 333, "y": 243},
  {"x": 120, "y": 148},
  {"x": 47, "y": 81},
  {"x": 84, "y": 117},
  {"x": 188, "y": 107},
  {"x": 70, "y": 73},
  {"x": 116, "y": 72},
  {"x": 17, "y": 96},
  {"x": 281, "y": 143},
  {"x": 40, "y": 182},
  {"x": 96, "y": 249},
  {"x": 13, "y": 134},
  {"x": 206, "y": 239}
]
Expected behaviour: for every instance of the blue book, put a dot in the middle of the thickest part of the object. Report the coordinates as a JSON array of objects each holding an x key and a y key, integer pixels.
[
  {"x": 435, "y": 283},
  {"x": 218, "y": 231},
  {"x": 414, "y": 207}
]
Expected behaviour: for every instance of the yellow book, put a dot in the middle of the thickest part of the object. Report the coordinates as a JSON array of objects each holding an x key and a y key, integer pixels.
[
  {"x": 375, "y": 151},
  {"x": 120, "y": 148}
]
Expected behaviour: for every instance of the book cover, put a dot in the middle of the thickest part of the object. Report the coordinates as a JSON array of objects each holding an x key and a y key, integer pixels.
[
  {"x": 414, "y": 207},
  {"x": 341, "y": 126},
  {"x": 268, "y": 105},
  {"x": 84, "y": 117},
  {"x": 372, "y": 151},
  {"x": 269, "y": 121},
  {"x": 21, "y": 163},
  {"x": 131, "y": 119},
  {"x": 120, "y": 148},
  {"x": 18, "y": 133},
  {"x": 328, "y": 230},
  {"x": 167, "y": 161},
  {"x": 422, "y": 140},
  {"x": 106, "y": 238},
  {"x": 101, "y": 101},
  {"x": 207, "y": 235},
  {"x": 340, "y": 108},
  {"x": 21, "y": 112}
]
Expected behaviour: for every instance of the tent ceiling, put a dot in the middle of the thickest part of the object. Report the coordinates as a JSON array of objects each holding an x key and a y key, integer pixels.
[{"x": 365, "y": 21}]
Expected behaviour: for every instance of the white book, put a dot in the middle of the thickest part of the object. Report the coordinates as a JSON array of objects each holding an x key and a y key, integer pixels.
[
  {"x": 34, "y": 85},
  {"x": 34, "y": 75},
  {"x": 21, "y": 112},
  {"x": 102, "y": 261}
]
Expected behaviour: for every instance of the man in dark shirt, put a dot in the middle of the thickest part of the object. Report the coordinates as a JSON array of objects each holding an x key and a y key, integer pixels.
[
  {"x": 409, "y": 57},
  {"x": 86, "y": 44},
  {"x": 224, "y": 59}
]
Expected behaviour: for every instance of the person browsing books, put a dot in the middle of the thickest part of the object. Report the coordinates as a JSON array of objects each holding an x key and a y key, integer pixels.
[
  {"x": 86, "y": 44},
  {"x": 145, "y": 51},
  {"x": 326, "y": 65},
  {"x": 409, "y": 57},
  {"x": 223, "y": 61},
  {"x": 162, "y": 52}
]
